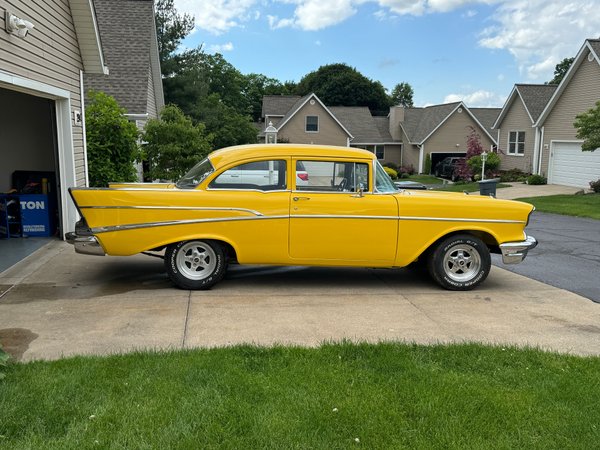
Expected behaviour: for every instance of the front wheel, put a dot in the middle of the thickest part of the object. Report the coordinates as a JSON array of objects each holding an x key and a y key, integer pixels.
[
  {"x": 460, "y": 262},
  {"x": 195, "y": 265}
]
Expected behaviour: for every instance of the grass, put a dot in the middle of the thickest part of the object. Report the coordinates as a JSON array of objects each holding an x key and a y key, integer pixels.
[
  {"x": 425, "y": 179},
  {"x": 469, "y": 187},
  {"x": 337, "y": 396},
  {"x": 570, "y": 205}
]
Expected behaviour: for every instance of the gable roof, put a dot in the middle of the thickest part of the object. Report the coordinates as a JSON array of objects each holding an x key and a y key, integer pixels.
[
  {"x": 128, "y": 33},
  {"x": 486, "y": 117},
  {"x": 299, "y": 104},
  {"x": 278, "y": 105},
  {"x": 88, "y": 36},
  {"x": 534, "y": 97},
  {"x": 359, "y": 121},
  {"x": 591, "y": 45}
]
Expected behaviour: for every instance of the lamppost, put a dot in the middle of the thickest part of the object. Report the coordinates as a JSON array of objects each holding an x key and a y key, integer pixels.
[
  {"x": 271, "y": 134},
  {"x": 484, "y": 156}
]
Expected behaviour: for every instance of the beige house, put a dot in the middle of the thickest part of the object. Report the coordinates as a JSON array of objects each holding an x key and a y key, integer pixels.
[
  {"x": 45, "y": 48},
  {"x": 306, "y": 120},
  {"x": 535, "y": 128},
  {"x": 517, "y": 140},
  {"x": 439, "y": 131}
]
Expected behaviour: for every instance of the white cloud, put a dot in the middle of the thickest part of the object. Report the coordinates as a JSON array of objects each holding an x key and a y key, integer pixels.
[
  {"x": 220, "y": 48},
  {"x": 540, "y": 33},
  {"x": 217, "y": 16},
  {"x": 480, "y": 99}
]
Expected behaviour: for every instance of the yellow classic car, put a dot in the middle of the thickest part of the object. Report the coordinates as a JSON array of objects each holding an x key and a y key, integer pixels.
[{"x": 299, "y": 205}]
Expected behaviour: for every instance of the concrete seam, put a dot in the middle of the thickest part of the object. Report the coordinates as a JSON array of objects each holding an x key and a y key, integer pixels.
[
  {"x": 7, "y": 291},
  {"x": 187, "y": 318}
]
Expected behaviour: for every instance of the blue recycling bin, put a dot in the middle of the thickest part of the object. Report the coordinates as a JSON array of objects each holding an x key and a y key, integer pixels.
[{"x": 37, "y": 215}]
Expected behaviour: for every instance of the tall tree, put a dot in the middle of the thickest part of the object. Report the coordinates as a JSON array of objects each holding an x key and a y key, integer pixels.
[
  {"x": 560, "y": 70},
  {"x": 173, "y": 144},
  {"x": 342, "y": 85},
  {"x": 588, "y": 128},
  {"x": 402, "y": 95}
]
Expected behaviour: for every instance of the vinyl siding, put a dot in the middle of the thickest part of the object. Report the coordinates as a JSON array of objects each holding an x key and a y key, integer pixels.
[
  {"x": 49, "y": 54},
  {"x": 517, "y": 119},
  {"x": 151, "y": 108},
  {"x": 581, "y": 94},
  {"x": 455, "y": 131},
  {"x": 330, "y": 132},
  {"x": 393, "y": 153}
]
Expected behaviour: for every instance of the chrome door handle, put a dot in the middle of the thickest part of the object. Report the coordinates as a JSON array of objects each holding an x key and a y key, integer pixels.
[{"x": 296, "y": 199}]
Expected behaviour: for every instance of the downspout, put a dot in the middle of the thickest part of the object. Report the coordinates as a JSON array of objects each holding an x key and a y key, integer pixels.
[
  {"x": 82, "y": 100},
  {"x": 539, "y": 172},
  {"x": 421, "y": 151}
]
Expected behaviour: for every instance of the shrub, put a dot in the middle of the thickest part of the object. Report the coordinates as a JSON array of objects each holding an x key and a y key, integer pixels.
[
  {"x": 404, "y": 175},
  {"x": 595, "y": 186},
  {"x": 391, "y": 172},
  {"x": 491, "y": 164},
  {"x": 428, "y": 164},
  {"x": 410, "y": 170},
  {"x": 536, "y": 179},
  {"x": 391, "y": 165},
  {"x": 512, "y": 175}
]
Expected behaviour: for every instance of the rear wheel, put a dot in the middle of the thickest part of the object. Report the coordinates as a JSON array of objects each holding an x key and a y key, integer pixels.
[
  {"x": 195, "y": 264},
  {"x": 459, "y": 262}
]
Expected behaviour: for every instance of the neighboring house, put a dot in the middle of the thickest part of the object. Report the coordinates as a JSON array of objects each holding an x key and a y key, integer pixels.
[
  {"x": 128, "y": 34},
  {"x": 517, "y": 140},
  {"x": 560, "y": 156},
  {"x": 46, "y": 47},
  {"x": 535, "y": 127},
  {"x": 306, "y": 120},
  {"x": 439, "y": 131}
]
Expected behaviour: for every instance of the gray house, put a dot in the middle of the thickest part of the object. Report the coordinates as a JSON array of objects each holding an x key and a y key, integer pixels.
[{"x": 46, "y": 46}]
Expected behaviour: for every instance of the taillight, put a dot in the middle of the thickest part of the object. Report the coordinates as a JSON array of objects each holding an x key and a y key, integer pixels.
[{"x": 303, "y": 176}]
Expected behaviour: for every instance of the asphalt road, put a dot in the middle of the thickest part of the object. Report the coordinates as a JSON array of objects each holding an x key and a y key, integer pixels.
[{"x": 568, "y": 254}]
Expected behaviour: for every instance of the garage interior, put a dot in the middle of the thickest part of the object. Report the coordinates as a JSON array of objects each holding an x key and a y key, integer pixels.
[
  {"x": 437, "y": 157},
  {"x": 29, "y": 194}
]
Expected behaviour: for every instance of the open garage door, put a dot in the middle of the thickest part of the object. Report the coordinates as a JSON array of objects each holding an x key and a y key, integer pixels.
[
  {"x": 437, "y": 157},
  {"x": 570, "y": 166}
]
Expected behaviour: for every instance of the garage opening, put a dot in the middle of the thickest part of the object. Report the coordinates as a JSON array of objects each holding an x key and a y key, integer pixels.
[
  {"x": 437, "y": 157},
  {"x": 29, "y": 192}
]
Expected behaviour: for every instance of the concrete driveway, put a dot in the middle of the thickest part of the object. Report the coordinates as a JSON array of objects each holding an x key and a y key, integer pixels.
[{"x": 57, "y": 303}]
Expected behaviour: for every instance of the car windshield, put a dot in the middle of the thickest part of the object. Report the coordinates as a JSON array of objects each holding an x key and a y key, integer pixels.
[
  {"x": 195, "y": 176},
  {"x": 383, "y": 182}
]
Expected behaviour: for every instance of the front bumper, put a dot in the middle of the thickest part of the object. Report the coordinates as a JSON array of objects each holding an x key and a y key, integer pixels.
[
  {"x": 515, "y": 252},
  {"x": 87, "y": 245}
]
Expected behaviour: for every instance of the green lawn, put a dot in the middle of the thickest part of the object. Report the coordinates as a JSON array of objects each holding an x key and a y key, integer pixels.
[
  {"x": 337, "y": 396},
  {"x": 469, "y": 187},
  {"x": 571, "y": 205},
  {"x": 425, "y": 179}
]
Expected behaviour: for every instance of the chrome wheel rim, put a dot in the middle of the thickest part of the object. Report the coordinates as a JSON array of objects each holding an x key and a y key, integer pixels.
[
  {"x": 462, "y": 263},
  {"x": 196, "y": 260}
]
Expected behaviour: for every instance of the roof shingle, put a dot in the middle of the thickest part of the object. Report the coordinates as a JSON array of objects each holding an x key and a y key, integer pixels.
[{"x": 536, "y": 97}]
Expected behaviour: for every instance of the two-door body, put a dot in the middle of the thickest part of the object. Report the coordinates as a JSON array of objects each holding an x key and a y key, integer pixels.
[{"x": 299, "y": 205}]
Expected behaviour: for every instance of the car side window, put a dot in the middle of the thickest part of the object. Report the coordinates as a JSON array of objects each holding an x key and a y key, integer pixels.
[
  {"x": 331, "y": 176},
  {"x": 270, "y": 175}
]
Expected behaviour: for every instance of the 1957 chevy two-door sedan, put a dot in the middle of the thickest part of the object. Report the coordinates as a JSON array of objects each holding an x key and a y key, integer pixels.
[{"x": 299, "y": 205}]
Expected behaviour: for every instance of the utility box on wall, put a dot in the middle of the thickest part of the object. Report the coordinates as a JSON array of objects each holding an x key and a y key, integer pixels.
[{"x": 37, "y": 215}]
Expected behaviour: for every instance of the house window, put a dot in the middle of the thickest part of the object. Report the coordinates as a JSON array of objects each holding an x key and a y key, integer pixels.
[
  {"x": 516, "y": 143},
  {"x": 312, "y": 124},
  {"x": 379, "y": 150}
]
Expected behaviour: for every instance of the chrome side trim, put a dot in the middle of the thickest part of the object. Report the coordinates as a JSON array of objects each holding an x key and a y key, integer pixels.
[
  {"x": 515, "y": 252},
  {"x": 86, "y": 245},
  {"x": 135, "y": 226},
  {"x": 458, "y": 219},
  {"x": 171, "y": 208},
  {"x": 324, "y": 216}
]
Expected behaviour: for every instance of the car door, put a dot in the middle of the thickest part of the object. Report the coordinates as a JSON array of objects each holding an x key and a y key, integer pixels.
[
  {"x": 257, "y": 205},
  {"x": 337, "y": 218}
]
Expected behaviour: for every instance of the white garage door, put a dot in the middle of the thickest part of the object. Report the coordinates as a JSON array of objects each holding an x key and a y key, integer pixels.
[{"x": 570, "y": 166}]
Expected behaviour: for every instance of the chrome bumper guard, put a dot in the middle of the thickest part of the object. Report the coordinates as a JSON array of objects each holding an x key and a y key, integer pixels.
[
  {"x": 515, "y": 252},
  {"x": 87, "y": 245}
]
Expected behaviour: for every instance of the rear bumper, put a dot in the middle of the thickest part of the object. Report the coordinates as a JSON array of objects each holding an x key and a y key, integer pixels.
[
  {"x": 87, "y": 245},
  {"x": 515, "y": 252}
]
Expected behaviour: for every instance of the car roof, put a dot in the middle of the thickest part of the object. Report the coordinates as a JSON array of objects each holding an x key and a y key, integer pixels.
[{"x": 228, "y": 155}]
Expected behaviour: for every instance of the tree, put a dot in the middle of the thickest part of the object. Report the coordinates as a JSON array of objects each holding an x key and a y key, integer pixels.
[
  {"x": 256, "y": 86},
  {"x": 474, "y": 149},
  {"x": 402, "y": 95},
  {"x": 111, "y": 141},
  {"x": 342, "y": 85},
  {"x": 588, "y": 128},
  {"x": 174, "y": 144},
  {"x": 561, "y": 70}
]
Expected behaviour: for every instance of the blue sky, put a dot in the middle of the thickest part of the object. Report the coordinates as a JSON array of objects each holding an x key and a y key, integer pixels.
[{"x": 472, "y": 50}]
